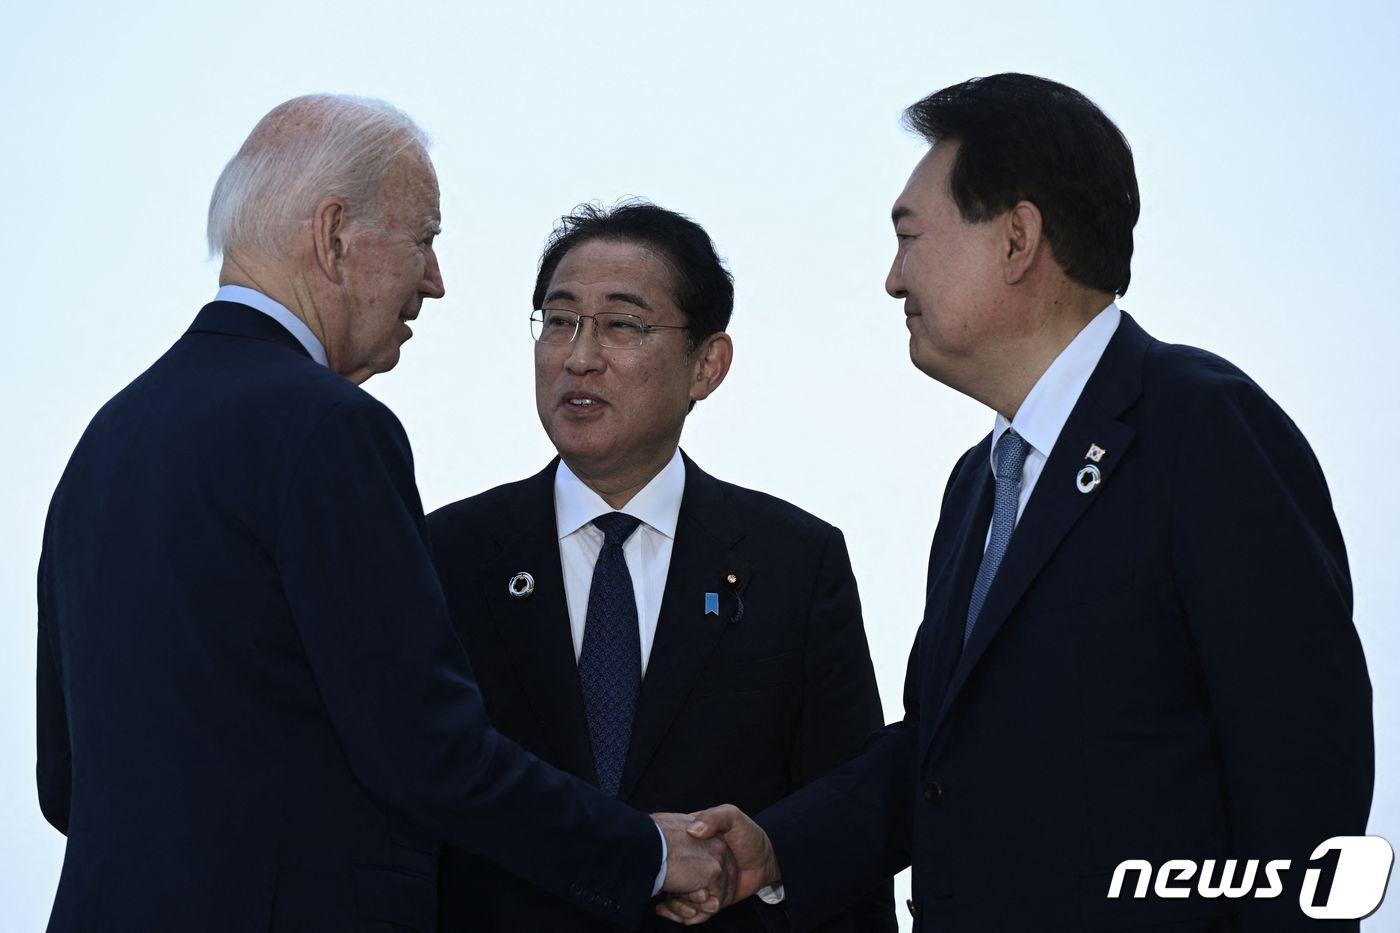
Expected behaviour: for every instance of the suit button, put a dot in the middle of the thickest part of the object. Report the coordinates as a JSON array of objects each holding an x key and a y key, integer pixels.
[
  {"x": 933, "y": 792},
  {"x": 913, "y": 909}
]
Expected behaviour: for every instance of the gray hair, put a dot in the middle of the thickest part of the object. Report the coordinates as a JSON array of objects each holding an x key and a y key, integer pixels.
[{"x": 304, "y": 150}]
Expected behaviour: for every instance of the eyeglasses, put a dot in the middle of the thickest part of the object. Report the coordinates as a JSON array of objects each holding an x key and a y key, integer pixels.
[{"x": 613, "y": 329}]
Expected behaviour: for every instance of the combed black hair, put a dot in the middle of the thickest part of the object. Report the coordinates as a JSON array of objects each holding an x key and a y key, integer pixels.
[
  {"x": 1024, "y": 138},
  {"x": 700, "y": 284}
]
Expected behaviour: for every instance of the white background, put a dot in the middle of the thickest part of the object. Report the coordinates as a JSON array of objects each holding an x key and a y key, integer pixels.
[{"x": 1265, "y": 139}]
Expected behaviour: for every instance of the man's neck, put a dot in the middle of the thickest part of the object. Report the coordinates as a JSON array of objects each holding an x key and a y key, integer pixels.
[
  {"x": 618, "y": 486},
  {"x": 1017, "y": 364},
  {"x": 285, "y": 289}
]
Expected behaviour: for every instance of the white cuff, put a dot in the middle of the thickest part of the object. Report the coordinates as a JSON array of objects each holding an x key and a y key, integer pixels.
[
  {"x": 661, "y": 875},
  {"x": 772, "y": 894}
]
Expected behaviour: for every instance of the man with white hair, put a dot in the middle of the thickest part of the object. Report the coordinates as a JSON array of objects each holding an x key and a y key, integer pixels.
[{"x": 253, "y": 713}]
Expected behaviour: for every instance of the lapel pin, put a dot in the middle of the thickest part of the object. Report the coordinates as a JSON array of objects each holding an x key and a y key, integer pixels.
[
  {"x": 711, "y": 604},
  {"x": 733, "y": 580},
  {"x": 521, "y": 585},
  {"x": 1095, "y": 453},
  {"x": 1088, "y": 479}
]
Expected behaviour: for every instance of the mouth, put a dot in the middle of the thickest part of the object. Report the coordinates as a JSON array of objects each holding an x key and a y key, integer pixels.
[{"x": 581, "y": 403}]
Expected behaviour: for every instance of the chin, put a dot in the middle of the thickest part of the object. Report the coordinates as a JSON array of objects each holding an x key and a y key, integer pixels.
[
  {"x": 389, "y": 358},
  {"x": 581, "y": 447}
]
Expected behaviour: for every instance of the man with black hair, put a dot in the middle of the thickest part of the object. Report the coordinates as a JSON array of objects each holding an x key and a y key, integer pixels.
[
  {"x": 1137, "y": 640},
  {"x": 632, "y": 620}
]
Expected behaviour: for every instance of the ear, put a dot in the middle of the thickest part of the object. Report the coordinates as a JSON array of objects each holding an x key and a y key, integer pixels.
[
  {"x": 711, "y": 364},
  {"x": 328, "y": 223},
  {"x": 1022, "y": 229}
]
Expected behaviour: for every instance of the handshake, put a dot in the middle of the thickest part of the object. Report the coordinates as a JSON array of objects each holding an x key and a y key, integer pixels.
[{"x": 714, "y": 858}]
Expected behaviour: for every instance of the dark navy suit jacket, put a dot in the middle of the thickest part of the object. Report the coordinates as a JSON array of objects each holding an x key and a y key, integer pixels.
[
  {"x": 253, "y": 713},
  {"x": 745, "y": 705},
  {"x": 1165, "y": 667}
]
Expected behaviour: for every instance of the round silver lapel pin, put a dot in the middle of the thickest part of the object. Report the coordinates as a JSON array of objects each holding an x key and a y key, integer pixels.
[
  {"x": 521, "y": 585},
  {"x": 1088, "y": 479}
]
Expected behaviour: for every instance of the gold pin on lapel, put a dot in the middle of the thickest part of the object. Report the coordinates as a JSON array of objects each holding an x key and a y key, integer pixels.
[
  {"x": 1088, "y": 479},
  {"x": 1095, "y": 453}
]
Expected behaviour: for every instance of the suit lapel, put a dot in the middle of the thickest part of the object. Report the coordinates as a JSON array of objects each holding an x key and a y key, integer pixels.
[
  {"x": 949, "y": 595},
  {"x": 535, "y": 629},
  {"x": 686, "y": 636},
  {"x": 1056, "y": 504}
]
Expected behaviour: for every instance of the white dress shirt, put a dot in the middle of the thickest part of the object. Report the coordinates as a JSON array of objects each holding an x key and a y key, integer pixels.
[
  {"x": 647, "y": 551},
  {"x": 279, "y": 313},
  {"x": 1043, "y": 414}
]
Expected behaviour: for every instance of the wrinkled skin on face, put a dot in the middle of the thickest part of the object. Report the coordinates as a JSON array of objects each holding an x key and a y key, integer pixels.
[
  {"x": 947, "y": 270},
  {"x": 388, "y": 268}
]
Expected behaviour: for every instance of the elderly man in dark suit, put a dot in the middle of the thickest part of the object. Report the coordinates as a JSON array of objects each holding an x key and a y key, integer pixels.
[
  {"x": 669, "y": 637},
  {"x": 1137, "y": 640},
  {"x": 253, "y": 712}
]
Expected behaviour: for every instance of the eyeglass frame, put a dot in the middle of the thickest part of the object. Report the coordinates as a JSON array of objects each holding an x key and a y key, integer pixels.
[{"x": 578, "y": 326}]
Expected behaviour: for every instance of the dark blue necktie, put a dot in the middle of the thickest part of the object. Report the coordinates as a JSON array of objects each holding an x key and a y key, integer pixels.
[
  {"x": 610, "y": 664},
  {"x": 1011, "y": 459}
]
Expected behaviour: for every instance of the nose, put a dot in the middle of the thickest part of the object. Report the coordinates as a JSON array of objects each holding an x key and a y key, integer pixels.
[
  {"x": 894, "y": 282},
  {"x": 585, "y": 353},
  {"x": 432, "y": 285}
]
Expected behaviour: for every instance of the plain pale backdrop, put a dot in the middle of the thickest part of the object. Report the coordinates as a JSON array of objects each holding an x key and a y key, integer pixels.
[{"x": 1265, "y": 138}]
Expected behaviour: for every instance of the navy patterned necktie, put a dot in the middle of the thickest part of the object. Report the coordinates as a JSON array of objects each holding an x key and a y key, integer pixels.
[
  {"x": 610, "y": 664},
  {"x": 1011, "y": 458}
]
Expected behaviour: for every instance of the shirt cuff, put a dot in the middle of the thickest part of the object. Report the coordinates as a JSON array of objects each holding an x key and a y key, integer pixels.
[
  {"x": 661, "y": 875},
  {"x": 772, "y": 894}
]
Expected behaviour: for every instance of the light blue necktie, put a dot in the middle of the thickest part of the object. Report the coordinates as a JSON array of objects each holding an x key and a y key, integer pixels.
[
  {"x": 610, "y": 665},
  {"x": 1011, "y": 458}
]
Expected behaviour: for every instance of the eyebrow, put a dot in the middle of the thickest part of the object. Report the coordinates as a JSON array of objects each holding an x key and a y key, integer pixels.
[
  {"x": 629, "y": 298},
  {"x": 899, "y": 213},
  {"x": 562, "y": 294}
]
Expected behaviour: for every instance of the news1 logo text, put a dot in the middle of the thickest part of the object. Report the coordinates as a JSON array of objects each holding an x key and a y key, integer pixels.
[{"x": 1345, "y": 878}]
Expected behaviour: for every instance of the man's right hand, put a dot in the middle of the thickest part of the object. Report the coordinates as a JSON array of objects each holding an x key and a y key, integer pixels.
[
  {"x": 700, "y": 871},
  {"x": 752, "y": 866}
]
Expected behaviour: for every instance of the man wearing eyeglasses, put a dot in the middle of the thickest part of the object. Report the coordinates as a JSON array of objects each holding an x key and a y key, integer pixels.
[{"x": 669, "y": 637}]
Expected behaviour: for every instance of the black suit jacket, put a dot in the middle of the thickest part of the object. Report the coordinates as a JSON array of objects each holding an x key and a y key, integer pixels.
[
  {"x": 1164, "y": 667},
  {"x": 744, "y": 707},
  {"x": 253, "y": 713}
]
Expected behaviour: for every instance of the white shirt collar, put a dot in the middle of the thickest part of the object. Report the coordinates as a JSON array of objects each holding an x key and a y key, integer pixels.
[
  {"x": 1043, "y": 414},
  {"x": 279, "y": 313},
  {"x": 658, "y": 504}
]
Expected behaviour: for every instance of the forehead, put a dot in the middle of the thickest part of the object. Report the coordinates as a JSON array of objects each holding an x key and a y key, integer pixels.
[
  {"x": 927, "y": 187},
  {"x": 410, "y": 189},
  {"x": 596, "y": 268}
]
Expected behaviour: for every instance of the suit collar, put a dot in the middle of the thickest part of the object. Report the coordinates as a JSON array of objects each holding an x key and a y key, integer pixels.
[
  {"x": 1056, "y": 503},
  {"x": 536, "y": 630},
  {"x": 278, "y": 312},
  {"x": 1048, "y": 405},
  {"x": 240, "y": 320},
  {"x": 702, "y": 561}
]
